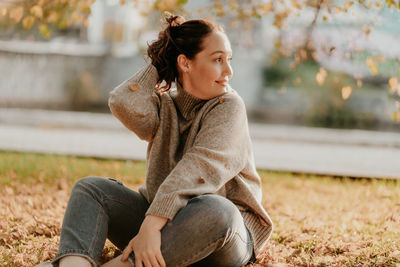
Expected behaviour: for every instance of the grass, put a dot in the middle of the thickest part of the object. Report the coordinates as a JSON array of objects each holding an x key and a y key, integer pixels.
[{"x": 319, "y": 220}]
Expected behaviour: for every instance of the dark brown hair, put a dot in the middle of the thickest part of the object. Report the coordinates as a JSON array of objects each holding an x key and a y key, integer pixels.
[{"x": 179, "y": 37}]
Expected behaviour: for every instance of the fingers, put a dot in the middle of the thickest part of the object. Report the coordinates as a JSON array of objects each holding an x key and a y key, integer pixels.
[
  {"x": 147, "y": 262},
  {"x": 160, "y": 259},
  {"x": 126, "y": 252},
  {"x": 154, "y": 261},
  {"x": 150, "y": 260}
]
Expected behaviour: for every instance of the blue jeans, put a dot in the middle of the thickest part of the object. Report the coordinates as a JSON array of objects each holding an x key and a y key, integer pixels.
[{"x": 208, "y": 231}]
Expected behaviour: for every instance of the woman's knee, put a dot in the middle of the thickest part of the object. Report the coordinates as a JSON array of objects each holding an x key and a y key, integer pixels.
[
  {"x": 220, "y": 211},
  {"x": 89, "y": 184}
]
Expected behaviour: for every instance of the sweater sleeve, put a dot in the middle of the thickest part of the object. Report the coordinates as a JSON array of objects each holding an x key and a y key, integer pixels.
[
  {"x": 135, "y": 103},
  {"x": 219, "y": 153}
]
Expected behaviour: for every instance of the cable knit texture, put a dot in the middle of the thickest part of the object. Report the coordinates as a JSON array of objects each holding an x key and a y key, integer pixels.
[{"x": 195, "y": 147}]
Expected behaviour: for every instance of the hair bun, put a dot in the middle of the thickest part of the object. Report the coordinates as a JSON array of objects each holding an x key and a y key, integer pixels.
[{"x": 173, "y": 20}]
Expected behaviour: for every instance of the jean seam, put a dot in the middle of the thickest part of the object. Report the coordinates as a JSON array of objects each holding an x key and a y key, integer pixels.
[
  {"x": 123, "y": 187},
  {"x": 106, "y": 198},
  {"x": 96, "y": 235},
  {"x": 74, "y": 252},
  {"x": 222, "y": 239},
  {"x": 206, "y": 247},
  {"x": 241, "y": 238}
]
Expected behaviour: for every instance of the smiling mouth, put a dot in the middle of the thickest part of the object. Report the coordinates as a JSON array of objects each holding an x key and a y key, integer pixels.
[{"x": 223, "y": 83}]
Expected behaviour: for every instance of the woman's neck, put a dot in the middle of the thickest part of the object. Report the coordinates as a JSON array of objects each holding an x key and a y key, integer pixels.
[{"x": 188, "y": 86}]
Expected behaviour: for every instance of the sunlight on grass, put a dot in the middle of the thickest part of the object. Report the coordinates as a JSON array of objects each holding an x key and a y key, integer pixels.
[{"x": 46, "y": 168}]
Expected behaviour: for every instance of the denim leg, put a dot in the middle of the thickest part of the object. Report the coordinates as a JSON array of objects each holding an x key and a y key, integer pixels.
[
  {"x": 209, "y": 231},
  {"x": 96, "y": 210}
]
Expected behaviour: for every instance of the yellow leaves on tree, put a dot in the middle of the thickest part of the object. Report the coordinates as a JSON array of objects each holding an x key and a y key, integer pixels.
[
  {"x": 264, "y": 8},
  {"x": 76, "y": 16},
  {"x": 233, "y": 4},
  {"x": 366, "y": 30},
  {"x": 17, "y": 13},
  {"x": 28, "y": 22},
  {"x": 321, "y": 76},
  {"x": 296, "y": 4},
  {"x": 84, "y": 6},
  {"x": 346, "y": 92},
  {"x": 394, "y": 85},
  {"x": 347, "y": 5},
  {"x": 391, "y": 3},
  {"x": 3, "y": 11},
  {"x": 372, "y": 65},
  {"x": 166, "y": 5},
  {"x": 37, "y": 11},
  {"x": 280, "y": 17},
  {"x": 52, "y": 17},
  {"x": 338, "y": 10},
  {"x": 45, "y": 30},
  {"x": 396, "y": 114},
  {"x": 220, "y": 8},
  {"x": 46, "y": 13}
]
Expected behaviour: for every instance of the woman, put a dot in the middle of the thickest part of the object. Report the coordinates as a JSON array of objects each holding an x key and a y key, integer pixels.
[{"x": 201, "y": 204}]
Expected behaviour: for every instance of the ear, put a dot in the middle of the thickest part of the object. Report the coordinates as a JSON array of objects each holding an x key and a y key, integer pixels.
[{"x": 183, "y": 63}]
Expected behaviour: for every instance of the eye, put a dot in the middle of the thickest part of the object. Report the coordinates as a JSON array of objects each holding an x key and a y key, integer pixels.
[
  {"x": 230, "y": 59},
  {"x": 218, "y": 59}
]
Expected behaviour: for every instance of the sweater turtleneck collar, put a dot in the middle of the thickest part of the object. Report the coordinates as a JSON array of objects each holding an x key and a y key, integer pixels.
[{"x": 186, "y": 102}]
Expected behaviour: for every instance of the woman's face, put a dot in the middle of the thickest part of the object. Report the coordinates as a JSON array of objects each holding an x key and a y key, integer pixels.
[{"x": 208, "y": 74}]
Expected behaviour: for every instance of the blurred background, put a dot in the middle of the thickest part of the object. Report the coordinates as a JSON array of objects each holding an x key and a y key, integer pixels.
[
  {"x": 320, "y": 64},
  {"x": 331, "y": 72}
]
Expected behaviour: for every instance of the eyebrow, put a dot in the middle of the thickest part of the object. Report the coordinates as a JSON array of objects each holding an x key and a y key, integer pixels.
[{"x": 220, "y": 51}]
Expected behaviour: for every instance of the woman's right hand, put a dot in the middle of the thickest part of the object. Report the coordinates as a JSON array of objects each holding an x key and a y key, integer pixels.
[{"x": 146, "y": 245}]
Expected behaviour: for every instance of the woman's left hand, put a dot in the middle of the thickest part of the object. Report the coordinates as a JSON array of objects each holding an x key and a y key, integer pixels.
[{"x": 146, "y": 245}]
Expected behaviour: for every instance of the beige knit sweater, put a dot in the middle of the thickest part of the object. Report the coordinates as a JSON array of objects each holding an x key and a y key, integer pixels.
[{"x": 195, "y": 147}]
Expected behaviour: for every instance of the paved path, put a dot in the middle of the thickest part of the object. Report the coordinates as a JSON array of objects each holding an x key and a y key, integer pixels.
[{"x": 297, "y": 149}]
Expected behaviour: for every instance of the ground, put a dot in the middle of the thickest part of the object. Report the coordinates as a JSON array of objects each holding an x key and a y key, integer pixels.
[{"x": 319, "y": 220}]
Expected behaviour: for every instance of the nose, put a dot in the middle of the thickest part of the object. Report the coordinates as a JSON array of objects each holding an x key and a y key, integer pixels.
[{"x": 228, "y": 70}]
